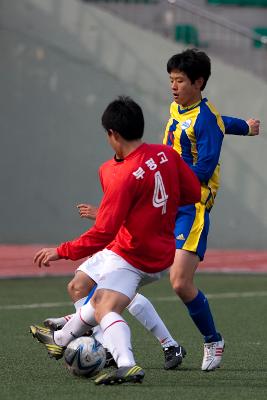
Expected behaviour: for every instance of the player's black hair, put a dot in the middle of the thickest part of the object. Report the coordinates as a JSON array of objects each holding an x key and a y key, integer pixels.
[
  {"x": 192, "y": 62},
  {"x": 124, "y": 116}
]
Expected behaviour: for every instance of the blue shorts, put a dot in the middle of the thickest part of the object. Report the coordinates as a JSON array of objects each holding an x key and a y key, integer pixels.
[{"x": 192, "y": 228}]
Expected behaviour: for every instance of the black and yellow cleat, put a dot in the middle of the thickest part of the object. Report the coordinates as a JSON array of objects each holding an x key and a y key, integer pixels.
[
  {"x": 45, "y": 336},
  {"x": 121, "y": 375}
]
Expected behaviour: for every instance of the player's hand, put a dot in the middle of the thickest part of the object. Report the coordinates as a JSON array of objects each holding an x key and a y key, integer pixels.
[
  {"x": 87, "y": 211},
  {"x": 44, "y": 256},
  {"x": 254, "y": 126}
]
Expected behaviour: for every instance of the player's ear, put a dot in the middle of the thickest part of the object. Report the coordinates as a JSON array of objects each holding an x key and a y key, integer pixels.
[
  {"x": 199, "y": 82},
  {"x": 115, "y": 135}
]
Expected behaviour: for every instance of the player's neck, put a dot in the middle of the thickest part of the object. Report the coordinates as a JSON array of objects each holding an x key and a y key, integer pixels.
[
  {"x": 126, "y": 148},
  {"x": 192, "y": 101}
]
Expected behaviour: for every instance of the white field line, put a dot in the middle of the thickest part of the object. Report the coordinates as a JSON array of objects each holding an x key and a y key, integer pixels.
[
  {"x": 35, "y": 305},
  {"x": 227, "y": 295}
]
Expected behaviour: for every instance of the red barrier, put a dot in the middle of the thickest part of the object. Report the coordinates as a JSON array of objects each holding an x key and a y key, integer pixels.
[{"x": 16, "y": 261}]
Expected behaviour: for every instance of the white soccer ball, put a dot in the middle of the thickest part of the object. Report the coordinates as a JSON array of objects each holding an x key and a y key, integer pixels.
[{"x": 85, "y": 356}]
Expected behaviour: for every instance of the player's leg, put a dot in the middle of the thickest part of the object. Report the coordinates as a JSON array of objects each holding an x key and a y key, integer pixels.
[
  {"x": 142, "y": 309},
  {"x": 124, "y": 279},
  {"x": 80, "y": 288},
  {"x": 55, "y": 342},
  {"x": 114, "y": 293},
  {"x": 109, "y": 307},
  {"x": 191, "y": 237},
  {"x": 84, "y": 319},
  {"x": 81, "y": 321},
  {"x": 117, "y": 287}
]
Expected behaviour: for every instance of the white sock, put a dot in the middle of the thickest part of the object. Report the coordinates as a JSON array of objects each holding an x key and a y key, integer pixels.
[
  {"x": 117, "y": 337},
  {"x": 79, "y": 303},
  {"x": 141, "y": 308},
  {"x": 80, "y": 323},
  {"x": 98, "y": 334},
  {"x": 68, "y": 317},
  {"x": 63, "y": 320}
]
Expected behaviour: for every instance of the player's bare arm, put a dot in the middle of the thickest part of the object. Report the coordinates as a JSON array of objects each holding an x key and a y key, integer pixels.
[
  {"x": 87, "y": 211},
  {"x": 44, "y": 256},
  {"x": 254, "y": 126}
]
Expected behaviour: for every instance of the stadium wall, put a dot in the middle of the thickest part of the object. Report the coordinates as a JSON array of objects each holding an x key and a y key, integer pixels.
[{"x": 62, "y": 62}]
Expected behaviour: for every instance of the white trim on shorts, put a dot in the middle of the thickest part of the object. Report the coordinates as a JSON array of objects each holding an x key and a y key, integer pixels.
[{"x": 111, "y": 271}]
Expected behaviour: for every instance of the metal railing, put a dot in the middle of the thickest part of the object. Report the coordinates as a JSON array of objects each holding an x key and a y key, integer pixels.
[{"x": 233, "y": 43}]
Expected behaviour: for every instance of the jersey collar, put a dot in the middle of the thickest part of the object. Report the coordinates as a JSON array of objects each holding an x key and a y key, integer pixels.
[
  {"x": 131, "y": 155},
  {"x": 183, "y": 110}
]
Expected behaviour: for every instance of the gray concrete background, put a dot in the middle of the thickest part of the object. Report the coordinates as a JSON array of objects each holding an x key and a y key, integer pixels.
[{"x": 62, "y": 61}]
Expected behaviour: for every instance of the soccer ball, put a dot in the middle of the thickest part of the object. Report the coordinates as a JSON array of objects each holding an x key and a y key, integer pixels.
[{"x": 85, "y": 356}]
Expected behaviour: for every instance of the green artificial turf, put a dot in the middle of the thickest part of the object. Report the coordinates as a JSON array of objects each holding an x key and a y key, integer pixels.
[{"x": 26, "y": 372}]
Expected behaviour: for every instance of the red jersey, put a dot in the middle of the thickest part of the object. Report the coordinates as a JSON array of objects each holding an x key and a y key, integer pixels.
[{"x": 136, "y": 216}]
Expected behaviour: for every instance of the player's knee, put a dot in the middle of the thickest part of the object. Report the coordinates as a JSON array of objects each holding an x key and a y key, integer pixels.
[
  {"x": 70, "y": 288},
  {"x": 137, "y": 305},
  {"x": 141, "y": 308},
  {"x": 101, "y": 309},
  {"x": 180, "y": 286},
  {"x": 98, "y": 314},
  {"x": 77, "y": 289}
]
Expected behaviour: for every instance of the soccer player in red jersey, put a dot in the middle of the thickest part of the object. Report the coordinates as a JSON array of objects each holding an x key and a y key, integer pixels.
[{"x": 132, "y": 241}]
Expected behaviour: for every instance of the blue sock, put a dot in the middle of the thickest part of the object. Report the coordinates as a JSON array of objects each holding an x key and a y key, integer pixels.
[
  {"x": 200, "y": 313},
  {"x": 90, "y": 295}
]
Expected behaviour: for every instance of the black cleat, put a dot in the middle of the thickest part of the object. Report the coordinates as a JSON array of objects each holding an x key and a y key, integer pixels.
[
  {"x": 173, "y": 356},
  {"x": 121, "y": 375}
]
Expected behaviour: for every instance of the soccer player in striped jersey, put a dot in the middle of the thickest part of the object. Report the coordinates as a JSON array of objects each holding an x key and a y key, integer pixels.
[{"x": 196, "y": 130}]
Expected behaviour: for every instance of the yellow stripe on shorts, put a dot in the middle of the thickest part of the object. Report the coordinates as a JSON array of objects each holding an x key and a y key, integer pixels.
[{"x": 192, "y": 240}]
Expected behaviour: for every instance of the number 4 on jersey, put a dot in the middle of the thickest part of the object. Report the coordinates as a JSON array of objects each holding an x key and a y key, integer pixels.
[{"x": 160, "y": 197}]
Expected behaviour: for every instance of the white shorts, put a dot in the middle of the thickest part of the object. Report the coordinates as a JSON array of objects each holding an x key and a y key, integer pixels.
[{"x": 111, "y": 271}]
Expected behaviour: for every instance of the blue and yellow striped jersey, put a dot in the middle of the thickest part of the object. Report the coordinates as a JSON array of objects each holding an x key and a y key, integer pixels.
[{"x": 196, "y": 133}]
